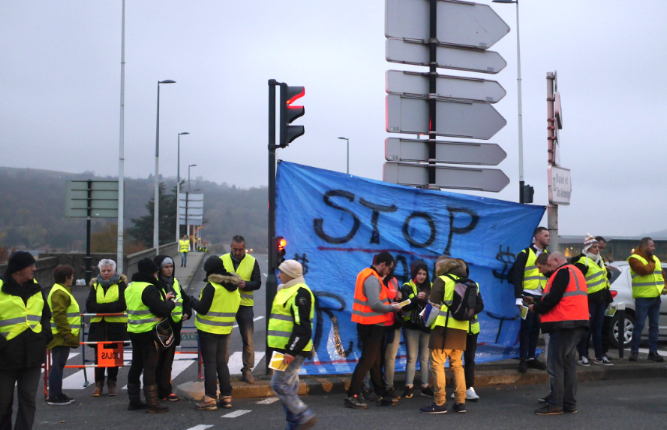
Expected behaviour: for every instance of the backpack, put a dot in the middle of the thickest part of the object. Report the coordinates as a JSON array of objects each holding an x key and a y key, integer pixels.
[{"x": 462, "y": 306}]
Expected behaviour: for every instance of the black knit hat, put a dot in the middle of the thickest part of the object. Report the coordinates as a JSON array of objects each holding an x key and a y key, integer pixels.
[
  {"x": 213, "y": 264},
  {"x": 147, "y": 266},
  {"x": 19, "y": 260}
]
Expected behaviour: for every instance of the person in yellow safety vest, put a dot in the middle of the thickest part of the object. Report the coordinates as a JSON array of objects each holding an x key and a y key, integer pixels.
[
  {"x": 65, "y": 326},
  {"x": 471, "y": 347},
  {"x": 290, "y": 334},
  {"x": 648, "y": 283},
  {"x": 146, "y": 307},
  {"x": 216, "y": 309},
  {"x": 449, "y": 336},
  {"x": 246, "y": 266},
  {"x": 183, "y": 249},
  {"x": 169, "y": 284},
  {"x": 107, "y": 296},
  {"x": 24, "y": 333},
  {"x": 591, "y": 264},
  {"x": 529, "y": 282}
]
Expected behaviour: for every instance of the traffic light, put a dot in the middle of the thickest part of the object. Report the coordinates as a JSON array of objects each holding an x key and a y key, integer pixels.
[
  {"x": 279, "y": 244},
  {"x": 289, "y": 112},
  {"x": 528, "y": 192}
]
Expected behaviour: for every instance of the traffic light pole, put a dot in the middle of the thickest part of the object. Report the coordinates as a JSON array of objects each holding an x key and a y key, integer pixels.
[
  {"x": 432, "y": 77},
  {"x": 271, "y": 281}
]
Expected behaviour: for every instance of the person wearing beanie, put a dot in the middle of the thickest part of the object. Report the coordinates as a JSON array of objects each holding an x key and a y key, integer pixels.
[
  {"x": 416, "y": 334},
  {"x": 168, "y": 283},
  {"x": 216, "y": 308},
  {"x": 448, "y": 337},
  {"x": 22, "y": 345},
  {"x": 146, "y": 306},
  {"x": 290, "y": 333},
  {"x": 591, "y": 264},
  {"x": 107, "y": 296}
]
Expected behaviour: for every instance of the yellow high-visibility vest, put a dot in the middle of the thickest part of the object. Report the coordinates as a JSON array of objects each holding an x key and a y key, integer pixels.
[
  {"x": 184, "y": 246},
  {"x": 16, "y": 316},
  {"x": 220, "y": 317},
  {"x": 442, "y": 319},
  {"x": 284, "y": 314},
  {"x": 140, "y": 319},
  {"x": 532, "y": 278},
  {"x": 245, "y": 272},
  {"x": 647, "y": 286},
  {"x": 73, "y": 312},
  {"x": 111, "y": 295},
  {"x": 596, "y": 276}
]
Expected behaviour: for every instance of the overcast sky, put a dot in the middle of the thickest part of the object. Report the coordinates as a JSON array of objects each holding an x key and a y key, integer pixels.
[{"x": 60, "y": 93}]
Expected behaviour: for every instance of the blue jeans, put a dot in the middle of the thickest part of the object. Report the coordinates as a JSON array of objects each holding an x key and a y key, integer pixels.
[
  {"x": 59, "y": 355},
  {"x": 286, "y": 386},
  {"x": 184, "y": 259},
  {"x": 596, "y": 312},
  {"x": 562, "y": 366},
  {"x": 528, "y": 335},
  {"x": 646, "y": 307}
]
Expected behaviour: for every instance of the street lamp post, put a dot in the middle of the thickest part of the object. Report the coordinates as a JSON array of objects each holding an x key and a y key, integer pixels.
[
  {"x": 178, "y": 184},
  {"x": 518, "y": 79},
  {"x": 156, "y": 207},
  {"x": 187, "y": 200},
  {"x": 121, "y": 153},
  {"x": 348, "y": 153}
]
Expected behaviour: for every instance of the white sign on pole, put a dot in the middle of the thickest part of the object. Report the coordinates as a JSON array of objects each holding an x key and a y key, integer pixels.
[
  {"x": 447, "y": 57},
  {"x": 453, "y": 118},
  {"x": 493, "y": 180},
  {"x": 489, "y": 154},
  {"x": 102, "y": 196},
  {"x": 459, "y": 23},
  {"x": 193, "y": 205},
  {"x": 452, "y": 87},
  {"x": 560, "y": 185}
]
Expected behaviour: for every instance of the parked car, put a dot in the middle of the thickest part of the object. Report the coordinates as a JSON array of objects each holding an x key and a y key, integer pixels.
[{"x": 621, "y": 291}]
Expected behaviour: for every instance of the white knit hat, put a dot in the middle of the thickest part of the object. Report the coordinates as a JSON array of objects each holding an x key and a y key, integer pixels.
[
  {"x": 291, "y": 268},
  {"x": 588, "y": 242}
]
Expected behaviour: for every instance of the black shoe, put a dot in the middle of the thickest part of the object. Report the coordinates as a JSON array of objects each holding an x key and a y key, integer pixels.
[
  {"x": 369, "y": 396},
  {"x": 534, "y": 363},
  {"x": 407, "y": 394},
  {"x": 393, "y": 394},
  {"x": 549, "y": 409},
  {"x": 434, "y": 409},
  {"x": 633, "y": 356},
  {"x": 570, "y": 410},
  {"x": 543, "y": 399},
  {"x": 460, "y": 408},
  {"x": 523, "y": 366},
  {"x": 59, "y": 400},
  {"x": 355, "y": 403},
  {"x": 654, "y": 356},
  {"x": 427, "y": 392},
  {"x": 134, "y": 393},
  {"x": 387, "y": 401}
]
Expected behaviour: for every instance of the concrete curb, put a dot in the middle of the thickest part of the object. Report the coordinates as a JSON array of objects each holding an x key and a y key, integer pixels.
[{"x": 483, "y": 378}]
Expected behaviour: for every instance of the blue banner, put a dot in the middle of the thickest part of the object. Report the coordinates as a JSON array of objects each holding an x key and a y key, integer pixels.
[{"x": 335, "y": 223}]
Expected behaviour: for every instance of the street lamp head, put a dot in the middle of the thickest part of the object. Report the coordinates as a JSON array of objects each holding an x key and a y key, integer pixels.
[
  {"x": 505, "y": 1},
  {"x": 192, "y": 165},
  {"x": 168, "y": 81},
  {"x": 181, "y": 134},
  {"x": 343, "y": 138}
]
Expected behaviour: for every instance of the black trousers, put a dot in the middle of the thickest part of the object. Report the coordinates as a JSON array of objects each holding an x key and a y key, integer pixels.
[
  {"x": 163, "y": 371},
  {"x": 214, "y": 355},
  {"x": 144, "y": 359},
  {"x": 26, "y": 381},
  {"x": 469, "y": 357},
  {"x": 370, "y": 337}
]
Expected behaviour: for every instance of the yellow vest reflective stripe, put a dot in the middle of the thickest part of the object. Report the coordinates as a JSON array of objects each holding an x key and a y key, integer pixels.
[
  {"x": 220, "y": 317},
  {"x": 442, "y": 319},
  {"x": 184, "y": 246},
  {"x": 177, "y": 312},
  {"x": 17, "y": 316},
  {"x": 140, "y": 319},
  {"x": 532, "y": 278},
  {"x": 284, "y": 314},
  {"x": 73, "y": 312},
  {"x": 647, "y": 286},
  {"x": 596, "y": 276},
  {"x": 112, "y": 295},
  {"x": 412, "y": 285},
  {"x": 245, "y": 272}
]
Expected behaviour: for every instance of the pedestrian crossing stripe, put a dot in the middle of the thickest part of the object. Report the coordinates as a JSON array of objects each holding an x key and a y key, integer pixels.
[{"x": 236, "y": 414}]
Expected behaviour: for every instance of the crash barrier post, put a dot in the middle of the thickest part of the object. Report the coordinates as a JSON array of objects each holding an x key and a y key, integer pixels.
[
  {"x": 111, "y": 353},
  {"x": 620, "y": 310}
]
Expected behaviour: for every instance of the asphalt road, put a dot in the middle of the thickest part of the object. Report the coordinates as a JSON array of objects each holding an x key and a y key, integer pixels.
[{"x": 623, "y": 404}]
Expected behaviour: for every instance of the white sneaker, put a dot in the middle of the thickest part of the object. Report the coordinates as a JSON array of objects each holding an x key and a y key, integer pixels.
[
  {"x": 583, "y": 361},
  {"x": 471, "y": 395}
]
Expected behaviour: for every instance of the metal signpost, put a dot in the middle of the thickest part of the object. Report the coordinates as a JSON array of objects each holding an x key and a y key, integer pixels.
[
  {"x": 91, "y": 199},
  {"x": 452, "y": 35}
]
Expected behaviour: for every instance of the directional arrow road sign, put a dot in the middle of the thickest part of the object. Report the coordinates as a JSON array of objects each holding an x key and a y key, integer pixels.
[
  {"x": 453, "y": 118},
  {"x": 447, "y": 57},
  {"x": 459, "y": 23},
  {"x": 489, "y": 154},
  {"x": 492, "y": 180},
  {"x": 454, "y": 87}
]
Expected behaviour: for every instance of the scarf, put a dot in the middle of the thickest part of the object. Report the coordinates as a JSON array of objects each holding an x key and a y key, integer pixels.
[
  {"x": 106, "y": 284},
  {"x": 596, "y": 258},
  {"x": 168, "y": 281},
  {"x": 293, "y": 282}
]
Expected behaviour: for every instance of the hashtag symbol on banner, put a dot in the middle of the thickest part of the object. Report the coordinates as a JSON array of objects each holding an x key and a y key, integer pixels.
[
  {"x": 303, "y": 260},
  {"x": 507, "y": 258}
]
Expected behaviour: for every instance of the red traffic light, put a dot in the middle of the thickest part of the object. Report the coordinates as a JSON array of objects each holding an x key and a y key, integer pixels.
[{"x": 282, "y": 243}]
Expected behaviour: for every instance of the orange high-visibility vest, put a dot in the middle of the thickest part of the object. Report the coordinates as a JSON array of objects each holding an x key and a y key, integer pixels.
[
  {"x": 361, "y": 310},
  {"x": 574, "y": 304}
]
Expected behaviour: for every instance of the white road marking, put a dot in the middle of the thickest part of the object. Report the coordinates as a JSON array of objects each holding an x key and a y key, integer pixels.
[
  {"x": 200, "y": 427},
  {"x": 235, "y": 363},
  {"x": 236, "y": 414},
  {"x": 268, "y": 401}
]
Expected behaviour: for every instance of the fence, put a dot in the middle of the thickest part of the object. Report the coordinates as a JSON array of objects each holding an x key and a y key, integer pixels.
[{"x": 113, "y": 356}]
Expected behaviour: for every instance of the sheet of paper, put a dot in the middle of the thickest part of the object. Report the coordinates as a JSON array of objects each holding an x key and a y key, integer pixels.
[
  {"x": 611, "y": 310},
  {"x": 277, "y": 362},
  {"x": 404, "y": 303},
  {"x": 524, "y": 312}
]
